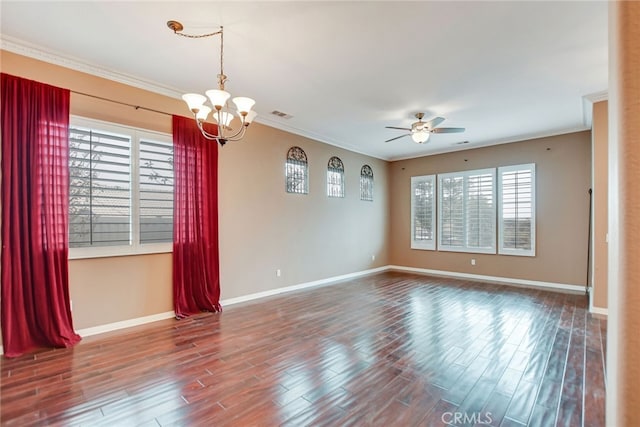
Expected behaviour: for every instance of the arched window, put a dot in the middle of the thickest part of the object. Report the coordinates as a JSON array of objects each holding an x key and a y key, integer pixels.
[
  {"x": 297, "y": 171},
  {"x": 335, "y": 178},
  {"x": 366, "y": 183}
]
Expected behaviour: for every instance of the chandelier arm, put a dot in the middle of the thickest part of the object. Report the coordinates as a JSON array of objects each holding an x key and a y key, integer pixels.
[
  {"x": 238, "y": 135},
  {"x": 207, "y": 135}
]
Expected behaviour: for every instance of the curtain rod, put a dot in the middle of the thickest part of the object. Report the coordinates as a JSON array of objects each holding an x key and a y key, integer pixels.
[{"x": 137, "y": 107}]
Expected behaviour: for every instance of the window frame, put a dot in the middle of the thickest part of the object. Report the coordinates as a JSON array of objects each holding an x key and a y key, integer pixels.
[
  {"x": 366, "y": 183},
  {"x": 135, "y": 247},
  {"x": 429, "y": 245},
  {"x": 509, "y": 251},
  {"x": 465, "y": 211},
  {"x": 296, "y": 156},
  {"x": 337, "y": 169}
]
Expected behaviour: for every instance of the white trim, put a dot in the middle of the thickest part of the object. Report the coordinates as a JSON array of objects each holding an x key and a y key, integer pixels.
[
  {"x": 479, "y": 144},
  {"x": 423, "y": 244},
  {"x": 135, "y": 135},
  {"x": 531, "y": 168},
  {"x": 465, "y": 176},
  {"x": 20, "y": 47},
  {"x": 331, "y": 281},
  {"x": 321, "y": 282},
  {"x": 277, "y": 124},
  {"x": 109, "y": 327},
  {"x": 587, "y": 106},
  {"x": 12, "y": 44},
  {"x": 505, "y": 280},
  {"x": 599, "y": 310}
]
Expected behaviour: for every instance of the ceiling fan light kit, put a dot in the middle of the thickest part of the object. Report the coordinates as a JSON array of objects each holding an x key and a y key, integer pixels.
[
  {"x": 420, "y": 131},
  {"x": 218, "y": 98}
]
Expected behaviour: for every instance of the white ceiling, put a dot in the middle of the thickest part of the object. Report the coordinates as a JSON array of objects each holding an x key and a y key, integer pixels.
[{"x": 505, "y": 71}]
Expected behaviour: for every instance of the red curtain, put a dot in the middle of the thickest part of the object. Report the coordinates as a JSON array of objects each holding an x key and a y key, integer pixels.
[
  {"x": 35, "y": 208},
  {"x": 196, "y": 277}
]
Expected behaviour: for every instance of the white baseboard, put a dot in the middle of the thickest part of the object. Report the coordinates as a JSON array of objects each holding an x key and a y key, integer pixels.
[
  {"x": 101, "y": 329},
  {"x": 333, "y": 280},
  {"x": 87, "y": 332},
  {"x": 321, "y": 282},
  {"x": 505, "y": 280}
]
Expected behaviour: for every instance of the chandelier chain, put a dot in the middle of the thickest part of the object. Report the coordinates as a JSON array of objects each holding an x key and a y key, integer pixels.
[{"x": 197, "y": 36}]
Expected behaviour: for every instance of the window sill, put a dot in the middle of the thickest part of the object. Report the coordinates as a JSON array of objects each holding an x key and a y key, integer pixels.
[{"x": 116, "y": 251}]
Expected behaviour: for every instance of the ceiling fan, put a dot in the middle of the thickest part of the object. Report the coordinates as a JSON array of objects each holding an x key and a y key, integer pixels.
[{"x": 420, "y": 130}]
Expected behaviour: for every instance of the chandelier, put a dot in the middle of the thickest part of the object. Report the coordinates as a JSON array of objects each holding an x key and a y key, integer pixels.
[{"x": 219, "y": 98}]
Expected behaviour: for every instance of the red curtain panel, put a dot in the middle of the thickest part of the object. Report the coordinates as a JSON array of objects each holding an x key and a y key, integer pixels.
[
  {"x": 196, "y": 272},
  {"x": 35, "y": 207}
]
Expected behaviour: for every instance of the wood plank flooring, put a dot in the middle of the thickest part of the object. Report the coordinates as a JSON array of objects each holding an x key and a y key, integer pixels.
[{"x": 392, "y": 349}]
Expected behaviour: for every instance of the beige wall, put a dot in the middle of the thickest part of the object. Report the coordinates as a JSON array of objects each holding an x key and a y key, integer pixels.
[
  {"x": 600, "y": 141},
  {"x": 563, "y": 178},
  {"x": 261, "y": 227}
]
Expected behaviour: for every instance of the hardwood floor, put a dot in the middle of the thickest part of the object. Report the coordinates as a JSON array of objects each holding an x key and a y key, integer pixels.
[{"x": 390, "y": 350}]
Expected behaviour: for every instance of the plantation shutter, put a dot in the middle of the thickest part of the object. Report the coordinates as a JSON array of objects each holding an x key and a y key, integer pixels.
[
  {"x": 156, "y": 191},
  {"x": 516, "y": 222},
  {"x": 99, "y": 188},
  {"x": 423, "y": 220},
  {"x": 481, "y": 210}
]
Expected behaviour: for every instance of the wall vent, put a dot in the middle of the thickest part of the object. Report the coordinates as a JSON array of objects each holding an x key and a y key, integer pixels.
[{"x": 281, "y": 114}]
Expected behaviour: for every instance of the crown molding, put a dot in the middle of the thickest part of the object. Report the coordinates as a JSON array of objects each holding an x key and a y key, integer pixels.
[
  {"x": 20, "y": 47},
  {"x": 603, "y": 95},
  {"x": 267, "y": 121},
  {"x": 587, "y": 105},
  {"x": 517, "y": 138},
  {"x": 23, "y": 48}
]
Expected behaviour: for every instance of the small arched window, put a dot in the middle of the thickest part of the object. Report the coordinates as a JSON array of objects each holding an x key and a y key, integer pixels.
[
  {"x": 366, "y": 183},
  {"x": 297, "y": 171},
  {"x": 335, "y": 178}
]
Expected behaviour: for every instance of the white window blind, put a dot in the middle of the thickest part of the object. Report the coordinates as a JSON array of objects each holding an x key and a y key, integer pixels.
[
  {"x": 516, "y": 219},
  {"x": 467, "y": 211},
  {"x": 120, "y": 190},
  {"x": 423, "y": 212},
  {"x": 99, "y": 188},
  {"x": 156, "y": 191}
]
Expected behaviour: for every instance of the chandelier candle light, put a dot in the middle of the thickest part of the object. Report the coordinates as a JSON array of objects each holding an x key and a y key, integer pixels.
[{"x": 218, "y": 98}]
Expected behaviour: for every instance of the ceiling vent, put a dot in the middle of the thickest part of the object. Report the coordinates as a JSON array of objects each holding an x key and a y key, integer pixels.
[{"x": 281, "y": 114}]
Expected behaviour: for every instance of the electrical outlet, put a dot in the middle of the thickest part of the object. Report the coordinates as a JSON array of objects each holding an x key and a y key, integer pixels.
[
  {"x": 71, "y": 305},
  {"x": 373, "y": 257},
  {"x": 473, "y": 261},
  {"x": 278, "y": 273}
]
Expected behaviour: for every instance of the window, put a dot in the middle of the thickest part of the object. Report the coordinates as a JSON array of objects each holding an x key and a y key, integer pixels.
[
  {"x": 366, "y": 183},
  {"x": 516, "y": 219},
  {"x": 120, "y": 190},
  {"x": 335, "y": 178},
  {"x": 156, "y": 191},
  {"x": 297, "y": 171},
  {"x": 467, "y": 211},
  {"x": 423, "y": 212}
]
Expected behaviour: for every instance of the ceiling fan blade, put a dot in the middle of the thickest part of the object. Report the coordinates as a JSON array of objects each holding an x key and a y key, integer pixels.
[
  {"x": 393, "y": 127},
  {"x": 434, "y": 122},
  {"x": 447, "y": 130},
  {"x": 398, "y": 137}
]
